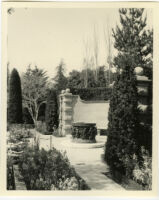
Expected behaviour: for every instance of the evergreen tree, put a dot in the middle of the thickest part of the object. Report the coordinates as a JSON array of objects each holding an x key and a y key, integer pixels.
[
  {"x": 132, "y": 38},
  {"x": 74, "y": 80},
  {"x": 123, "y": 124},
  {"x": 60, "y": 79},
  {"x": 101, "y": 80},
  {"x": 15, "y": 99},
  {"x": 51, "y": 112}
]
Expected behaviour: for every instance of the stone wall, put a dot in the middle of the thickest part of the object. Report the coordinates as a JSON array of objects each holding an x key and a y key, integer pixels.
[{"x": 73, "y": 109}]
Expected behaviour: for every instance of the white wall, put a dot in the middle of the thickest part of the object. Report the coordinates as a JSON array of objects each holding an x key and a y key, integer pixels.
[{"x": 91, "y": 112}]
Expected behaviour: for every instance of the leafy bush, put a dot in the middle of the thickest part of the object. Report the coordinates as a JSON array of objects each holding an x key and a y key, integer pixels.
[
  {"x": 17, "y": 141},
  {"x": 49, "y": 170},
  {"x": 18, "y": 133},
  {"x": 41, "y": 127},
  {"x": 10, "y": 174},
  {"x": 145, "y": 137},
  {"x": 89, "y": 94},
  {"x": 142, "y": 173},
  {"x": 84, "y": 132},
  {"x": 51, "y": 112},
  {"x": 27, "y": 119}
]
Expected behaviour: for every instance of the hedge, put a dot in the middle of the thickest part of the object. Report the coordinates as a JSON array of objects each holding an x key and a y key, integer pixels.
[{"x": 89, "y": 94}]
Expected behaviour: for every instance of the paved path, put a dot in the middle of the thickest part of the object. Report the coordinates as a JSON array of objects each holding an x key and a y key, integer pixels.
[{"x": 87, "y": 163}]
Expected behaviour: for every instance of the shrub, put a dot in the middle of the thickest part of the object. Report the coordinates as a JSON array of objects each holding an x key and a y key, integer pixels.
[
  {"x": 49, "y": 170},
  {"x": 41, "y": 127},
  {"x": 19, "y": 133},
  {"x": 142, "y": 173},
  {"x": 123, "y": 124},
  {"x": 10, "y": 174},
  {"x": 51, "y": 112},
  {"x": 17, "y": 141},
  {"x": 15, "y": 99},
  {"x": 27, "y": 119}
]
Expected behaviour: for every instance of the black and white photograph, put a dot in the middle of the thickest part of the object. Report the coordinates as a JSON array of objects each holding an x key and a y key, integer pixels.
[{"x": 79, "y": 97}]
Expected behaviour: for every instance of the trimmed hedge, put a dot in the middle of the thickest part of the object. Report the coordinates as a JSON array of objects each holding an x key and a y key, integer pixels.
[{"x": 89, "y": 94}]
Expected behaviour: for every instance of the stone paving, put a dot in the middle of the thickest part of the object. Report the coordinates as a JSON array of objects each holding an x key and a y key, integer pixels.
[{"x": 87, "y": 162}]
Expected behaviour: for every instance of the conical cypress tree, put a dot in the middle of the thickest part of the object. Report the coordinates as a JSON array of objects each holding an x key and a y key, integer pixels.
[
  {"x": 51, "y": 112},
  {"x": 123, "y": 124},
  {"x": 15, "y": 99}
]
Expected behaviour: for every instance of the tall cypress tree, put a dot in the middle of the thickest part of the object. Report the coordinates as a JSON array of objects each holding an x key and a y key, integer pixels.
[
  {"x": 60, "y": 79},
  {"x": 51, "y": 112},
  {"x": 15, "y": 99},
  {"x": 123, "y": 121},
  {"x": 133, "y": 38}
]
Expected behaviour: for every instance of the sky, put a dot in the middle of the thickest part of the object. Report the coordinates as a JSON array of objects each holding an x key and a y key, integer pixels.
[{"x": 44, "y": 36}]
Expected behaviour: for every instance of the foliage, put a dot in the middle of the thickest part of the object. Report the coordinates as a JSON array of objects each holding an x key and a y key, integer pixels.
[
  {"x": 123, "y": 126},
  {"x": 34, "y": 90},
  {"x": 145, "y": 137},
  {"x": 19, "y": 132},
  {"x": 15, "y": 99},
  {"x": 49, "y": 170},
  {"x": 84, "y": 132},
  {"x": 51, "y": 112},
  {"x": 60, "y": 79},
  {"x": 76, "y": 78},
  {"x": 89, "y": 94},
  {"x": 10, "y": 174},
  {"x": 101, "y": 77},
  {"x": 132, "y": 38},
  {"x": 142, "y": 173},
  {"x": 41, "y": 127},
  {"x": 41, "y": 116},
  {"x": 17, "y": 141},
  {"x": 27, "y": 119}
]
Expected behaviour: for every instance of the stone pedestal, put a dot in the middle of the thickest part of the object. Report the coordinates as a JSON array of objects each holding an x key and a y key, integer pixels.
[{"x": 144, "y": 86}]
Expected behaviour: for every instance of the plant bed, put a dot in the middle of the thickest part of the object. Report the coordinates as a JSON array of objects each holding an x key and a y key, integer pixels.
[
  {"x": 10, "y": 175},
  {"x": 125, "y": 182},
  {"x": 84, "y": 132},
  {"x": 49, "y": 170},
  {"x": 19, "y": 181}
]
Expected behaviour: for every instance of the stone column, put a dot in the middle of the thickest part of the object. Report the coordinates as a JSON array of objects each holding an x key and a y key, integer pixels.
[
  {"x": 65, "y": 116},
  {"x": 143, "y": 85}
]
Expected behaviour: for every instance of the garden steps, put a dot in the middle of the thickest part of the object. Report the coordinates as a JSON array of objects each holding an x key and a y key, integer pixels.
[{"x": 88, "y": 164}]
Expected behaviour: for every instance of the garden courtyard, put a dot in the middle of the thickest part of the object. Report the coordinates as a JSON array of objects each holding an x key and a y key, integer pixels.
[{"x": 91, "y": 129}]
